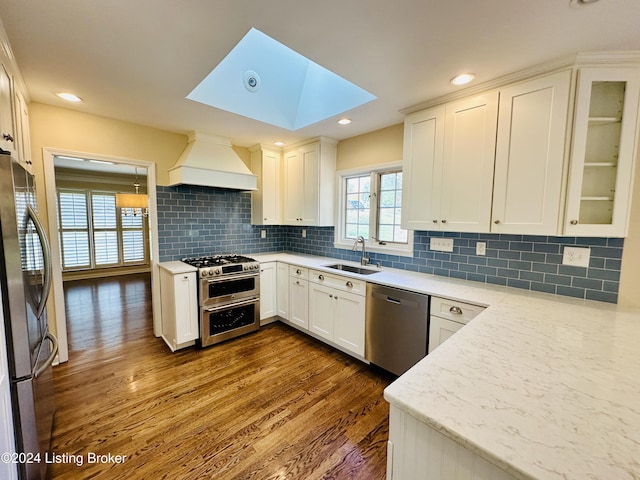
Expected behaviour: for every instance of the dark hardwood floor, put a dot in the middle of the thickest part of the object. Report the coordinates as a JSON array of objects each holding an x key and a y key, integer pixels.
[{"x": 274, "y": 404}]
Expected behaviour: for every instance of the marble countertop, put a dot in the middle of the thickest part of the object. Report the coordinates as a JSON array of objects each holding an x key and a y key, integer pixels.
[{"x": 542, "y": 386}]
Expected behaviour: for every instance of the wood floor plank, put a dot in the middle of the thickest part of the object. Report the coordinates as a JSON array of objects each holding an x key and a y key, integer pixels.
[{"x": 275, "y": 404}]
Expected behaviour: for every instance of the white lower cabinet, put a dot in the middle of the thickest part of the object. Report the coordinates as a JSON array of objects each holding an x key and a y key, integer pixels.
[
  {"x": 179, "y": 291},
  {"x": 337, "y": 310},
  {"x": 299, "y": 297},
  {"x": 418, "y": 452},
  {"x": 447, "y": 317},
  {"x": 268, "y": 292},
  {"x": 282, "y": 278}
]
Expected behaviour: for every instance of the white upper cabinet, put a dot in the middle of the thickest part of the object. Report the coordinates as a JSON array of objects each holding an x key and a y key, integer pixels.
[
  {"x": 532, "y": 124},
  {"x": 309, "y": 184},
  {"x": 266, "y": 204},
  {"x": 448, "y": 166},
  {"x": 603, "y": 152},
  {"x": 422, "y": 169},
  {"x": 7, "y": 129},
  {"x": 467, "y": 171}
]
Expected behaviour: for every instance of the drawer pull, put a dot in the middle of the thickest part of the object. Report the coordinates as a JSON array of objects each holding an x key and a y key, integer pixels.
[
  {"x": 456, "y": 310},
  {"x": 320, "y": 277},
  {"x": 298, "y": 271},
  {"x": 349, "y": 284}
]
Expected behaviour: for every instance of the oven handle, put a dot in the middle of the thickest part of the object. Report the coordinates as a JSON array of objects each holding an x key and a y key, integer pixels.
[
  {"x": 234, "y": 304},
  {"x": 223, "y": 278}
]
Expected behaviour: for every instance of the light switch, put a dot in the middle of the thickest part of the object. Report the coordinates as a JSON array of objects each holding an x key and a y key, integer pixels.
[
  {"x": 441, "y": 244},
  {"x": 481, "y": 248},
  {"x": 263, "y": 234}
]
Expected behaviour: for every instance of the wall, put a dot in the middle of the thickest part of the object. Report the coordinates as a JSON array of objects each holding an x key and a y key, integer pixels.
[
  {"x": 381, "y": 146},
  {"x": 197, "y": 221},
  {"x": 72, "y": 130},
  {"x": 630, "y": 276}
]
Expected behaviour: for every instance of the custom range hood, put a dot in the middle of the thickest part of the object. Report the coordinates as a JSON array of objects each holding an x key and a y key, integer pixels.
[{"x": 210, "y": 161}]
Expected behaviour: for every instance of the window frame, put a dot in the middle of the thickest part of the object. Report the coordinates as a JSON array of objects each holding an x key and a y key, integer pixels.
[
  {"x": 91, "y": 229},
  {"x": 340, "y": 239}
]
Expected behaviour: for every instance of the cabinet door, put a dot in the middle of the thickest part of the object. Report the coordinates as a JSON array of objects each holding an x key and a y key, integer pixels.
[
  {"x": 322, "y": 310},
  {"x": 283, "y": 290},
  {"x": 440, "y": 330},
  {"x": 271, "y": 207},
  {"x": 7, "y": 130},
  {"x": 603, "y": 150},
  {"x": 422, "y": 169},
  {"x": 293, "y": 188},
  {"x": 532, "y": 120},
  {"x": 268, "y": 295},
  {"x": 467, "y": 172},
  {"x": 185, "y": 287},
  {"x": 310, "y": 156},
  {"x": 349, "y": 321},
  {"x": 299, "y": 306},
  {"x": 22, "y": 129}
]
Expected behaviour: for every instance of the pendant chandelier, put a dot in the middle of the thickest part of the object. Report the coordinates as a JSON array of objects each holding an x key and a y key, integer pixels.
[{"x": 133, "y": 203}]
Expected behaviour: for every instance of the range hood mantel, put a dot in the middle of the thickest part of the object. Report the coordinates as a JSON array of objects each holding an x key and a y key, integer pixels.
[{"x": 209, "y": 160}]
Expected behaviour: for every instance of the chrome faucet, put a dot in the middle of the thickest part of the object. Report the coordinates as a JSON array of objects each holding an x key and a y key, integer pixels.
[{"x": 364, "y": 260}]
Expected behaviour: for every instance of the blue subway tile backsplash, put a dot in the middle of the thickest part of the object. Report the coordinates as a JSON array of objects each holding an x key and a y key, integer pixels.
[{"x": 194, "y": 221}]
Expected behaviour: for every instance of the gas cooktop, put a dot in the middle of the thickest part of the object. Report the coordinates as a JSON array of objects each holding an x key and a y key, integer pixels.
[{"x": 222, "y": 264}]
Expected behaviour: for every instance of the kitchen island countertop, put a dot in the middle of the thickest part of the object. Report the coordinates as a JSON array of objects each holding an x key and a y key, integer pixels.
[{"x": 542, "y": 386}]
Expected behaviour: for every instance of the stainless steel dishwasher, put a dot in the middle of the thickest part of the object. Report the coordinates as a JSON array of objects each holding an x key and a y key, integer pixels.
[{"x": 396, "y": 333}]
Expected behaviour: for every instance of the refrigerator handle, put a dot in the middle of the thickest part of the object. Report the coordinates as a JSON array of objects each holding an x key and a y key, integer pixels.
[
  {"x": 46, "y": 252},
  {"x": 54, "y": 352}
]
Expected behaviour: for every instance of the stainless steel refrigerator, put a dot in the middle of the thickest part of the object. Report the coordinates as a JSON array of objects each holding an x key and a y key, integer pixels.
[{"x": 25, "y": 266}]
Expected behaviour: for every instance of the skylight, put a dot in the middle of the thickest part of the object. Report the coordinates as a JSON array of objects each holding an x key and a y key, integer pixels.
[{"x": 267, "y": 81}]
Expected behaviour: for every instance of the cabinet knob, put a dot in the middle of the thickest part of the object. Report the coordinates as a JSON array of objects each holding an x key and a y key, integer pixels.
[
  {"x": 497, "y": 222},
  {"x": 265, "y": 218},
  {"x": 443, "y": 221},
  {"x": 320, "y": 277},
  {"x": 298, "y": 271},
  {"x": 573, "y": 222},
  {"x": 435, "y": 220},
  {"x": 349, "y": 284},
  {"x": 7, "y": 137},
  {"x": 330, "y": 296},
  {"x": 456, "y": 310},
  {"x": 186, "y": 277}
]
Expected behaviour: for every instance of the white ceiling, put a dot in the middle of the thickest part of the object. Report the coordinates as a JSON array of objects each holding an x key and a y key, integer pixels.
[{"x": 136, "y": 60}]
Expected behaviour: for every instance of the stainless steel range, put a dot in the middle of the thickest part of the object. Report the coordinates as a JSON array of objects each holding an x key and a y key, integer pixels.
[{"x": 228, "y": 295}]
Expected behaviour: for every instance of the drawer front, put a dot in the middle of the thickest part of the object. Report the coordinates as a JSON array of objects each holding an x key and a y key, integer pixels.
[
  {"x": 299, "y": 272},
  {"x": 345, "y": 284},
  {"x": 453, "y": 310}
]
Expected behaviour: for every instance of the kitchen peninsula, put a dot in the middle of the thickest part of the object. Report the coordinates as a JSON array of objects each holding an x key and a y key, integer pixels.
[{"x": 535, "y": 387}]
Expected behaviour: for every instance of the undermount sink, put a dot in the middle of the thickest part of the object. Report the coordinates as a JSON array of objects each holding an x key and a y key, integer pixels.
[{"x": 352, "y": 269}]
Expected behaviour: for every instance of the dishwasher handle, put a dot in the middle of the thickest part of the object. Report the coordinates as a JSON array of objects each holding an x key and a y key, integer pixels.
[{"x": 394, "y": 300}]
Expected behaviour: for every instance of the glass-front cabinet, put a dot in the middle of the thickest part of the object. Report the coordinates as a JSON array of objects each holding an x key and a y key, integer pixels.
[{"x": 603, "y": 152}]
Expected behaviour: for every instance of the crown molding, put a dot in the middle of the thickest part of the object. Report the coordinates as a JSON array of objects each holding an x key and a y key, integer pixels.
[{"x": 604, "y": 59}]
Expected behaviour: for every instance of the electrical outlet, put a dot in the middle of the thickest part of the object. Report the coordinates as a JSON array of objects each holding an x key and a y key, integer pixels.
[
  {"x": 304, "y": 233},
  {"x": 263, "y": 234},
  {"x": 481, "y": 248},
  {"x": 441, "y": 244},
  {"x": 576, "y": 256}
]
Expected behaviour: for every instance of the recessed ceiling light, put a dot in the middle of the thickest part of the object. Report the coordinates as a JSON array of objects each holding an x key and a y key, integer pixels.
[
  {"x": 463, "y": 78},
  {"x": 278, "y": 144},
  {"x": 69, "y": 97},
  {"x": 344, "y": 121}
]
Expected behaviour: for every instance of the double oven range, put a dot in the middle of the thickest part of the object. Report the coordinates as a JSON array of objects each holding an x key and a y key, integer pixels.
[{"x": 228, "y": 296}]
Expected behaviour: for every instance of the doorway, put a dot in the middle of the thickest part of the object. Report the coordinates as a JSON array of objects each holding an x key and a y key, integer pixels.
[{"x": 101, "y": 165}]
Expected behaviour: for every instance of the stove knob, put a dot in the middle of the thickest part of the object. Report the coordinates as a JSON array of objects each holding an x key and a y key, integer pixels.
[
  {"x": 217, "y": 271},
  {"x": 203, "y": 273},
  {"x": 256, "y": 267},
  {"x": 210, "y": 271}
]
